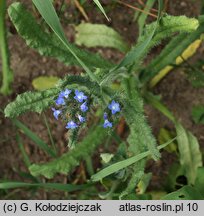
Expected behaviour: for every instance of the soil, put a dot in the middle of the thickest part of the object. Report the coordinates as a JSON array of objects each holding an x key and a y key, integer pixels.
[{"x": 175, "y": 89}]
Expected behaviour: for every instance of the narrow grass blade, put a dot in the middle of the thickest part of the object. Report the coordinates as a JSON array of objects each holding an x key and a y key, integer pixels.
[
  {"x": 49, "y": 14},
  {"x": 122, "y": 164},
  {"x": 23, "y": 152},
  {"x": 143, "y": 16},
  {"x": 28, "y": 176},
  {"x": 97, "y": 2},
  {"x": 54, "y": 186},
  {"x": 39, "y": 142},
  {"x": 50, "y": 134}
]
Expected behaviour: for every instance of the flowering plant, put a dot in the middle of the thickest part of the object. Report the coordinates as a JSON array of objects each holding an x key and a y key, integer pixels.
[{"x": 116, "y": 90}]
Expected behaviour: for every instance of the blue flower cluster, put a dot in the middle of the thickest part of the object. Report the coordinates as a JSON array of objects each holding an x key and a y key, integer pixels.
[
  {"x": 68, "y": 98},
  {"x": 72, "y": 106},
  {"x": 114, "y": 107}
]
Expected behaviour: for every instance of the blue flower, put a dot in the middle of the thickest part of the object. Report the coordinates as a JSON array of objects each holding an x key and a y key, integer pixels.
[
  {"x": 71, "y": 125},
  {"x": 65, "y": 93},
  {"x": 81, "y": 119},
  {"x": 84, "y": 107},
  {"x": 79, "y": 96},
  {"x": 107, "y": 124},
  {"x": 105, "y": 115},
  {"x": 60, "y": 101},
  {"x": 56, "y": 113},
  {"x": 114, "y": 107}
]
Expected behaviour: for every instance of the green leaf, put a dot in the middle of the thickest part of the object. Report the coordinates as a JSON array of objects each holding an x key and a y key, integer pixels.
[
  {"x": 140, "y": 138},
  {"x": 45, "y": 82},
  {"x": 106, "y": 157},
  {"x": 31, "y": 101},
  {"x": 190, "y": 155},
  {"x": 144, "y": 183},
  {"x": 172, "y": 181},
  {"x": 175, "y": 47},
  {"x": 39, "y": 142},
  {"x": 81, "y": 83},
  {"x": 139, "y": 51},
  {"x": 50, "y": 186},
  {"x": 164, "y": 136},
  {"x": 38, "y": 101},
  {"x": 48, "y": 44},
  {"x": 97, "y": 2},
  {"x": 196, "y": 75},
  {"x": 169, "y": 25},
  {"x": 198, "y": 114},
  {"x": 185, "y": 193},
  {"x": 69, "y": 160},
  {"x": 49, "y": 14},
  {"x": 199, "y": 182},
  {"x": 187, "y": 53},
  {"x": 124, "y": 163},
  {"x": 93, "y": 35},
  {"x": 143, "y": 16}
]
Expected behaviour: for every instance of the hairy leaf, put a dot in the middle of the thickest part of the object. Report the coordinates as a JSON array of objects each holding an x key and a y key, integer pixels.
[
  {"x": 49, "y": 14},
  {"x": 38, "y": 101},
  {"x": 156, "y": 32},
  {"x": 69, "y": 160},
  {"x": 80, "y": 83},
  {"x": 92, "y": 35},
  {"x": 174, "y": 49},
  {"x": 48, "y": 44},
  {"x": 140, "y": 138},
  {"x": 31, "y": 101},
  {"x": 169, "y": 25}
]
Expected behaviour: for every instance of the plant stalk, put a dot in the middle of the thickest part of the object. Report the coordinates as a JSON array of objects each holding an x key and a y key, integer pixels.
[{"x": 7, "y": 74}]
